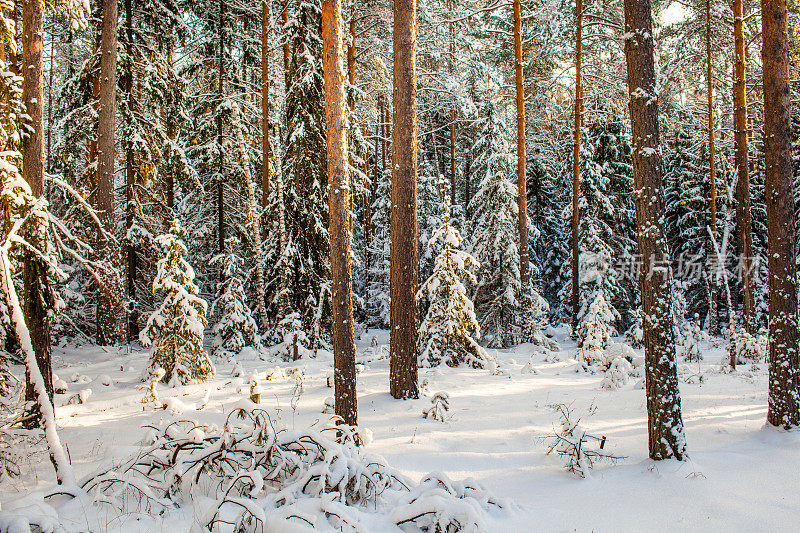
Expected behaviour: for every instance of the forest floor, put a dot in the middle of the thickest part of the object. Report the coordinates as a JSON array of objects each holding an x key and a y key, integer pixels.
[{"x": 739, "y": 476}]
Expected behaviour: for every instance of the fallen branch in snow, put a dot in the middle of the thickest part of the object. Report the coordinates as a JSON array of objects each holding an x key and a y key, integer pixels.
[
  {"x": 579, "y": 449},
  {"x": 17, "y": 319}
]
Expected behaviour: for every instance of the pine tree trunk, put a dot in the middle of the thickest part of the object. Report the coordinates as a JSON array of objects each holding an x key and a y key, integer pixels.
[
  {"x": 266, "y": 147},
  {"x": 130, "y": 184},
  {"x": 34, "y": 272},
  {"x": 743, "y": 214},
  {"x": 451, "y": 6},
  {"x": 286, "y": 47},
  {"x": 784, "y": 368},
  {"x": 253, "y": 217},
  {"x": 664, "y": 421},
  {"x": 404, "y": 226},
  {"x": 48, "y": 165},
  {"x": 351, "y": 54},
  {"x": 384, "y": 132},
  {"x": 13, "y": 57},
  {"x": 94, "y": 97},
  {"x": 170, "y": 173},
  {"x": 220, "y": 135},
  {"x": 576, "y": 167},
  {"x": 467, "y": 181},
  {"x": 109, "y": 327},
  {"x": 344, "y": 348},
  {"x": 712, "y": 177},
  {"x": 522, "y": 197}
]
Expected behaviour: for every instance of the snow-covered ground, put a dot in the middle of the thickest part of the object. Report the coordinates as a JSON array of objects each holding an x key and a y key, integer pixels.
[{"x": 740, "y": 476}]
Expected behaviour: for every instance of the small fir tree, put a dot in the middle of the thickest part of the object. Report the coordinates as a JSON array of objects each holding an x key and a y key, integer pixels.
[
  {"x": 175, "y": 329},
  {"x": 446, "y": 334},
  {"x": 595, "y": 333},
  {"x": 495, "y": 235},
  {"x": 235, "y": 327}
]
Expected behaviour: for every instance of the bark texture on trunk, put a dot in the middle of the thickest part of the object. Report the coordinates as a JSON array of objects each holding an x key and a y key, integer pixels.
[
  {"x": 743, "y": 214},
  {"x": 131, "y": 257},
  {"x": 34, "y": 272},
  {"x": 522, "y": 197},
  {"x": 784, "y": 368},
  {"x": 109, "y": 326},
  {"x": 664, "y": 421},
  {"x": 266, "y": 147},
  {"x": 713, "y": 302},
  {"x": 351, "y": 50},
  {"x": 404, "y": 226},
  {"x": 344, "y": 348},
  {"x": 576, "y": 166},
  {"x": 220, "y": 134},
  {"x": 452, "y": 45},
  {"x": 287, "y": 52}
]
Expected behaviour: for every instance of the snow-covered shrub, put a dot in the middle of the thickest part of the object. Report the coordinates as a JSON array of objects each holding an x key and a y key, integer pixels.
[
  {"x": 294, "y": 341},
  {"x": 595, "y": 334},
  {"x": 533, "y": 320},
  {"x": 440, "y": 405},
  {"x": 151, "y": 393},
  {"x": 255, "y": 475},
  {"x": 439, "y": 504},
  {"x": 620, "y": 363},
  {"x": 634, "y": 336},
  {"x": 446, "y": 334},
  {"x": 689, "y": 348},
  {"x": 747, "y": 348},
  {"x": 175, "y": 329},
  {"x": 579, "y": 449},
  {"x": 617, "y": 374},
  {"x": 235, "y": 326},
  {"x": 255, "y": 388}
]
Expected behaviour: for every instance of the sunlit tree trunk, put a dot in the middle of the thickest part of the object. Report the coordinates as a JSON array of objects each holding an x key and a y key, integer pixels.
[
  {"x": 743, "y": 215},
  {"x": 522, "y": 198},
  {"x": 109, "y": 327},
  {"x": 336, "y": 112},
  {"x": 713, "y": 325},
  {"x": 404, "y": 226},
  {"x": 784, "y": 368},
  {"x": 576, "y": 166},
  {"x": 34, "y": 272},
  {"x": 664, "y": 421},
  {"x": 266, "y": 148}
]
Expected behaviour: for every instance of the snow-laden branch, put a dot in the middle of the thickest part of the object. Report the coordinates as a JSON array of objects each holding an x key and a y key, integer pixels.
[{"x": 17, "y": 319}]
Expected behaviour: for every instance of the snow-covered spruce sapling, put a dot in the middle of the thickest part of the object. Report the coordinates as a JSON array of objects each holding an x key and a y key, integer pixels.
[
  {"x": 235, "y": 327},
  {"x": 634, "y": 336},
  {"x": 294, "y": 341},
  {"x": 690, "y": 343},
  {"x": 494, "y": 234},
  {"x": 533, "y": 320},
  {"x": 579, "y": 449},
  {"x": 746, "y": 347},
  {"x": 175, "y": 329},
  {"x": 446, "y": 334},
  {"x": 595, "y": 334},
  {"x": 151, "y": 393},
  {"x": 255, "y": 387},
  {"x": 440, "y": 405}
]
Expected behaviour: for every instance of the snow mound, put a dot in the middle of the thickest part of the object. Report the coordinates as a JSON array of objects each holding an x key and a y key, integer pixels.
[{"x": 255, "y": 475}]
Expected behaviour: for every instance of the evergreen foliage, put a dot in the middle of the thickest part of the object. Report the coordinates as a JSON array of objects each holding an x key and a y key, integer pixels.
[{"x": 175, "y": 329}]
